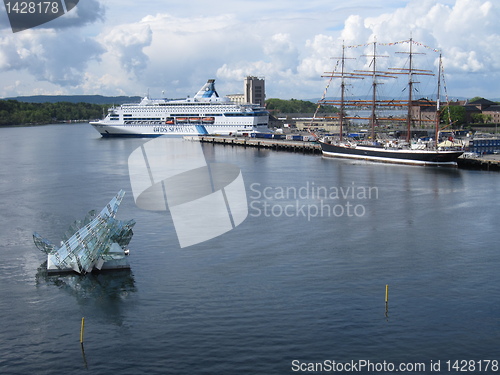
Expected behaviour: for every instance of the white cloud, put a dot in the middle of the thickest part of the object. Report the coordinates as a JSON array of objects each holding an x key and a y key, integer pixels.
[
  {"x": 127, "y": 42},
  {"x": 318, "y": 60},
  {"x": 466, "y": 32},
  {"x": 48, "y": 55},
  {"x": 279, "y": 60},
  {"x": 473, "y": 48},
  {"x": 290, "y": 43},
  {"x": 86, "y": 12},
  {"x": 462, "y": 31},
  {"x": 355, "y": 30}
]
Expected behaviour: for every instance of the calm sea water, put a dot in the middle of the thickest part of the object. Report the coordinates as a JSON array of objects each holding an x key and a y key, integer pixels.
[{"x": 301, "y": 279}]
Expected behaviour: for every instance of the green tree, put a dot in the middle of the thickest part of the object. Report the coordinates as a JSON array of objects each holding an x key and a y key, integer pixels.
[
  {"x": 475, "y": 98},
  {"x": 477, "y": 118},
  {"x": 454, "y": 115},
  {"x": 296, "y": 106},
  {"x": 481, "y": 118}
]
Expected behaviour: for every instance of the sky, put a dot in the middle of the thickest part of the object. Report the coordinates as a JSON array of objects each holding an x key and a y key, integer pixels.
[{"x": 170, "y": 48}]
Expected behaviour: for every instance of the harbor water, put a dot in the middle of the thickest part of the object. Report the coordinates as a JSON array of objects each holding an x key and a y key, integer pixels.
[{"x": 297, "y": 286}]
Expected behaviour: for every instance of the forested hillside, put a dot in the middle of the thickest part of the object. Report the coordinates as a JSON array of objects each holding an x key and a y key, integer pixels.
[
  {"x": 296, "y": 106},
  {"x": 13, "y": 112},
  {"x": 93, "y": 99}
]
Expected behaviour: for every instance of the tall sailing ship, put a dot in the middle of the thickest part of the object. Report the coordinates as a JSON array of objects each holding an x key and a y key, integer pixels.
[
  {"x": 391, "y": 150},
  {"x": 205, "y": 113}
]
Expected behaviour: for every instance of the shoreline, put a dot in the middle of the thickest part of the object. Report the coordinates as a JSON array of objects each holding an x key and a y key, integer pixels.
[{"x": 73, "y": 122}]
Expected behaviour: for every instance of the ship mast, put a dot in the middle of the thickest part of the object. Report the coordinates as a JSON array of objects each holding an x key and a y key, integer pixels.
[
  {"x": 438, "y": 103},
  {"x": 343, "y": 76},
  {"x": 410, "y": 92},
  {"x": 374, "y": 94},
  {"x": 342, "y": 92},
  {"x": 411, "y": 71},
  {"x": 375, "y": 74}
]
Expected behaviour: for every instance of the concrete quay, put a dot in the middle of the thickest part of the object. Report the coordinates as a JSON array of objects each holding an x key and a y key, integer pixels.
[
  {"x": 489, "y": 162},
  {"x": 273, "y": 144}
]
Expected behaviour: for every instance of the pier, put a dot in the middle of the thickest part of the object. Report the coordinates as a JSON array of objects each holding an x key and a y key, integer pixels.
[
  {"x": 486, "y": 162},
  {"x": 489, "y": 162},
  {"x": 272, "y": 144}
]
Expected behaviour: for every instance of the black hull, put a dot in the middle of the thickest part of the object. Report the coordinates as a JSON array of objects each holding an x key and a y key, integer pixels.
[{"x": 415, "y": 157}]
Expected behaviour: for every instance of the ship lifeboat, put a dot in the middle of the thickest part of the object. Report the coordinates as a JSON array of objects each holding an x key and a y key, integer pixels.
[
  {"x": 208, "y": 120},
  {"x": 181, "y": 120}
]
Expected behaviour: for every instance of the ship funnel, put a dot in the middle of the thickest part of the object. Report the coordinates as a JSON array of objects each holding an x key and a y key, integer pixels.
[{"x": 208, "y": 90}]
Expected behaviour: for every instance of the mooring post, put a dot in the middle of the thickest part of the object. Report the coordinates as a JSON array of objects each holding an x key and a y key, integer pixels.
[
  {"x": 81, "y": 330},
  {"x": 387, "y": 300}
]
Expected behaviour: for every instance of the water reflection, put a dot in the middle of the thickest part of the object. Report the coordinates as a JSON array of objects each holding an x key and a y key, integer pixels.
[{"x": 105, "y": 291}]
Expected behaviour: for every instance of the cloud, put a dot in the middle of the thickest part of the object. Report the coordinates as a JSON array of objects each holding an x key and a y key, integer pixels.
[
  {"x": 466, "y": 31},
  {"x": 184, "y": 51},
  {"x": 188, "y": 50},
  {"x": 290, "y": 43},
  {"x": 318, "y": 60},
  {"x": 282, "y": 52},
  {"x": 280, "y": 58},
  {"x": 85, "y": 13},
  {"x": 127, "y": 43},
  {"x": 48, "y": 55}
]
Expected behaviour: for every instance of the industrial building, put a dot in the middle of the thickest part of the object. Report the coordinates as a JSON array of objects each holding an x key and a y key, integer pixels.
[{"x": 254, "y": 92}]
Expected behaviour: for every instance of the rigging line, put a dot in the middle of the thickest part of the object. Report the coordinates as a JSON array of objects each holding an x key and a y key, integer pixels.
[
  {"x": 325, "y": 91},
  {"x": 446, "y": 93},
  {"x": 413, "y": 42},
  {"x": 396, "y": 43},
  {"x": 426, "y": 46},
  {"x": 382, "y": 44}
]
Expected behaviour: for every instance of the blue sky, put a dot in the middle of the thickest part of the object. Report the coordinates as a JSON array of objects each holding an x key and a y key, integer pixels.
[{"x": 125, "y": 47}]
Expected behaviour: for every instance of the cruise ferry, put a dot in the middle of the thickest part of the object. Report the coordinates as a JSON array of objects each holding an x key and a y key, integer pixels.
[{"x": 204, "y": 114}]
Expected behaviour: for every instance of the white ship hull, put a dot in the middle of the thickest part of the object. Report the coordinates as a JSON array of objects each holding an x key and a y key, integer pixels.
[
  {"x": 156, "y": 130},
  {"x": 204, "y": 114}
]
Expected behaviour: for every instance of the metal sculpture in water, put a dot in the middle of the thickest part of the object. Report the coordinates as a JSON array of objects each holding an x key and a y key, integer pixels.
[{"x": 96, "y": 242}]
